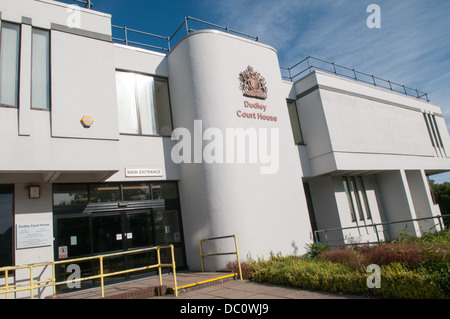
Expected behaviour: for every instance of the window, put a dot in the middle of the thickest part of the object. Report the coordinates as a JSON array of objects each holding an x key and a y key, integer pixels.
[
  {"x": 70, "y": 194},
  {"x": 349, "y": 198},
  {"x": 363, "y": 192},
  {"x": 74, "y": 198},
  {"x": 143, "y": 104},
  {"x": 6, "y": 225},
  {"x": 435, "y": 135},
  {"x": 40, "y": 76},
  {"x": 105, "y": 193},
  {"x": 357, "y": 197},
  {"x": 9, "y": 64},
  {"x": 295, "y": 122},
  {"x": 136, "y": 191}
]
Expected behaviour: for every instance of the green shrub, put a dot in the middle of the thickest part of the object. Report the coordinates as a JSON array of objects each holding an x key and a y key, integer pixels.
[
  {"x": 410, "y": 268},
  {"x": 397, "y": 281},
  {"x": 314, "y": 249}
]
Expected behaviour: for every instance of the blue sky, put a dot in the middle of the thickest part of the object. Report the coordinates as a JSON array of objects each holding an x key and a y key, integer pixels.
[{"x": 412, "y": 47}]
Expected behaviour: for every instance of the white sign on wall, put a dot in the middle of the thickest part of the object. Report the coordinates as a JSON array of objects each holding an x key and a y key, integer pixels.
[
  {"x": 143, "y": 172},
  {"x": 34, "y": 235}
]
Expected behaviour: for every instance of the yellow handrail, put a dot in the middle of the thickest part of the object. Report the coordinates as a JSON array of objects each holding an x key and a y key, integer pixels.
[
  {"x": 219, "y": 254},
  {"x": 51, "y": 282}
]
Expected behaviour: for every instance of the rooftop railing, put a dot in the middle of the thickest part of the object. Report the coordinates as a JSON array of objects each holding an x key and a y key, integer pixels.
[
  {"x": 146, "y": 40},
  {"x": 310, "y": 64},
  {"x": 166, "y": 43},
  {"x": 87, "y": 4}
]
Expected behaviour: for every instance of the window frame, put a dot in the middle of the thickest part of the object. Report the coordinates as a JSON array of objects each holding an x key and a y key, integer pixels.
[
  {"x": 346, "y": 185},
  {"x": 138, "y": 112},
  {"x": 357, "y": 198},
  {"x": 297, "y": 119},
  {"x": 2, "y": 23},
  {"x": 49, "y": 70},
  {"x": 434, "y": 134}
]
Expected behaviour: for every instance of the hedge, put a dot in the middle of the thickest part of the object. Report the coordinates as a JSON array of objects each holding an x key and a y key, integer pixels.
[{"x": 397, "y": 281}]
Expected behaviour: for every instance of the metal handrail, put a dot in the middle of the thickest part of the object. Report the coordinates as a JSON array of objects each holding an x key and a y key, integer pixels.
[
  {"x": 51, "y": 282},
  {"x": 87, "y": 4},
  {"x": 312, "y": 63},
  {"x": 169, "y": 39},
  {"x": 221, "y": 254},
  {"x": 406, "y": 90},
  {"x": 326, "y": 231}
]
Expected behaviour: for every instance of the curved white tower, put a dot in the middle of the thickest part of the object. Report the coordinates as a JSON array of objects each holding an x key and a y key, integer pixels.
[{"x": 258, "y": 198}]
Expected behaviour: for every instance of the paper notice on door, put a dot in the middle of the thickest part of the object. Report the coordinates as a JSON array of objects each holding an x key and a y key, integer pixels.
[
  {"x": 73, "y": 240},
  {"x": 129, "y": 235},
  {"x": 118, "y": 236}
]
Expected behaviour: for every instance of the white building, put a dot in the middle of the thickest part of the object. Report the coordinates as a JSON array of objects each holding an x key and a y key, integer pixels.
[{"x": 87, "y": 125}]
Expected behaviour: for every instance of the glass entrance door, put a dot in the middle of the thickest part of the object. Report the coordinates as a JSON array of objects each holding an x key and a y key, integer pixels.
[
  {"x": 138, "y": 230},
  {"x": 6, "y": 225},
  {"x": 138, "y": 233},
  {"x": 109, "y": 232},
  {"x": 123, "y": 231}
]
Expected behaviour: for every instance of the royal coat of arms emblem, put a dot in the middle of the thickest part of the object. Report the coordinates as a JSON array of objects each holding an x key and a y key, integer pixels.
[{"x": 253, "y": 84}]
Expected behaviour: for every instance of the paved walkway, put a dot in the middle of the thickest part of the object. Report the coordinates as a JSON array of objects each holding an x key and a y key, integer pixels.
[
  {"x": 237, "y": 289},
  {"x": 201, "y": 286}
]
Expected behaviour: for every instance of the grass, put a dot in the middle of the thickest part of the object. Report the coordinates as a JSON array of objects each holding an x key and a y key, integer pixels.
[{"x": 409, "y": 268}]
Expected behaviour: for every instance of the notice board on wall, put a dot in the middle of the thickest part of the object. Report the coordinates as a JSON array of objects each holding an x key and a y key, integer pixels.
[{"x": 32, "y": 235}]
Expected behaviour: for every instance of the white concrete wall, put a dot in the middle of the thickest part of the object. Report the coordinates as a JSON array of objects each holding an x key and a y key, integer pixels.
[
  {"x": 396, "y": 202},
  {"x": 143, "y": 151},
  {"x": 83, "y": 82},
  {"x": 45, "y": 12},
  {"x": 353, "y": 126},
  {"x": 326, "y": 199}
]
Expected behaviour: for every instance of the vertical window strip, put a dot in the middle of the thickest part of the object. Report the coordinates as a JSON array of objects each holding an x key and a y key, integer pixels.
[
  {"x": 364, "y": 196},
  {"x": 295, "y": 122},
  {"x": 40, "y": 69},
  {"x": 433, "y": 129},
  {"x": 349, "y": 198},
  {"x": 438, "y": 134},
  {"x": 429, "y": 129},
  {"x": 354, "y": 192},
  {"x": 9, "y": 64}
]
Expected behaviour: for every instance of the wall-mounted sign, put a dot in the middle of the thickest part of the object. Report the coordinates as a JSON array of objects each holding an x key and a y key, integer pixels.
[
  {"x": 255, "y": 111},
  {"x": 63, "y": 252},
  {"x": 253, "y": 84},
  {"x": 34, "y": 235},
  {"x": 34, "y": 191},
  {"x": 143, "y": 172}
]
